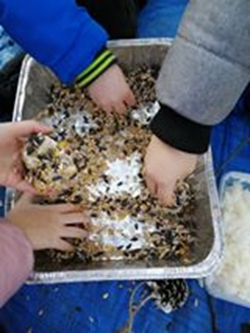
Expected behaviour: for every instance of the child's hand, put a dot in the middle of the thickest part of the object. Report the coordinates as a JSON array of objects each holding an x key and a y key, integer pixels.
[
  {"x": 11, "y": 142},
  {"x": 46, "y": 225},
  {"x": 164, "y": 165},
  {"x": 111, "y": 92}
]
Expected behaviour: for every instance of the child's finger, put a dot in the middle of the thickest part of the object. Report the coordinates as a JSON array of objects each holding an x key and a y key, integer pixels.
[
  {"x": 28, "y": 127},
  {"x": 151, "y": 185},
  {"x": 25, "y": 199},
  {"x": 63, "y": 245},
  {"x": 74, "y": 232},
  {"x": 107, "y": 108},
  {"x": 165, "y": 194},
  {"x": 130, "y": 98},
  {"x": 65, "y": 208},
  {"x": 120, "y": 108},
  {"x": 23, "y": 186},
  {"x": 73, "y": 218}
]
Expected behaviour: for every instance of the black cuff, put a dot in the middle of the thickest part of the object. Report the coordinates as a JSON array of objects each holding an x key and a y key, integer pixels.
[{"x": 180, "y": 132}]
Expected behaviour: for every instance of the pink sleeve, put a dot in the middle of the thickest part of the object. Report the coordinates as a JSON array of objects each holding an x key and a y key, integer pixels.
[{"x": 16, "y": 260}]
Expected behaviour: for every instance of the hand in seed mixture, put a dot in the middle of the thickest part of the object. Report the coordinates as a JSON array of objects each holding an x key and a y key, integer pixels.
[
  {"x": 11, "y": 143},
  {"x": 46, "y": 226},
  {"x": 164, "y": 166},
  {"x": 111, "y": 92}
]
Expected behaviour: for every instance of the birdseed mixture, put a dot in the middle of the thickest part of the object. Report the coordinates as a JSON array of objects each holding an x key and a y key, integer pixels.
[{"x": 96, "y": 160}]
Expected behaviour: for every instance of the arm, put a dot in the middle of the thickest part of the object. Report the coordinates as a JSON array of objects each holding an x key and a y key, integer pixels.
[
  {"x": 57, "y": 33},
  {"x": 204, "y": 73},
  {"x": 16, "y": 260},
  {"x": 34, "y": 227},
  {"x": 65, "y": 38},
  {"x": 201, "y": 79}
]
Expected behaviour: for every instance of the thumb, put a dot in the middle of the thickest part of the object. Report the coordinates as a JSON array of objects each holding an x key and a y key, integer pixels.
[
  {"x": 23, "y": 186},
  {"x": 28, "y": 127}
]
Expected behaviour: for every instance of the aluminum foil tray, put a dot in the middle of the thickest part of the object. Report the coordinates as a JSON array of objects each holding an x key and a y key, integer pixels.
[
  {"x": 234, "y": 291},
  {"x": 33, "y": 94}
]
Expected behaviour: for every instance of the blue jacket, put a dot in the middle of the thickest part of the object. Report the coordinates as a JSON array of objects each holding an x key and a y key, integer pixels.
[{"x": 57, "y": 33}]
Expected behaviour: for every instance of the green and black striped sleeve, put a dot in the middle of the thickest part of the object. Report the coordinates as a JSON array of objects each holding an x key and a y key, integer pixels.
[{"x": 104, "y": 59}]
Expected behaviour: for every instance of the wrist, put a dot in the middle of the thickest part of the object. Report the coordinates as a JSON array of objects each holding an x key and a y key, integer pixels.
[
  {"x": 104, "y": 60},
  {"x": 180, "y": 132}
]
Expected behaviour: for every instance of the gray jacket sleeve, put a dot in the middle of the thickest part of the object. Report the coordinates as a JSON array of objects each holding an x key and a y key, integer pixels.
[{"x": 208, "y": 66}]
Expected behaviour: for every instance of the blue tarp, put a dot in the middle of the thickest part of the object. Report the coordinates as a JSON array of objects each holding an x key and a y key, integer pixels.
[
  {"x": 8, "y": 49},
  {"x": 103, "y": 307},
  {"x": 161, "y": 18}
]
